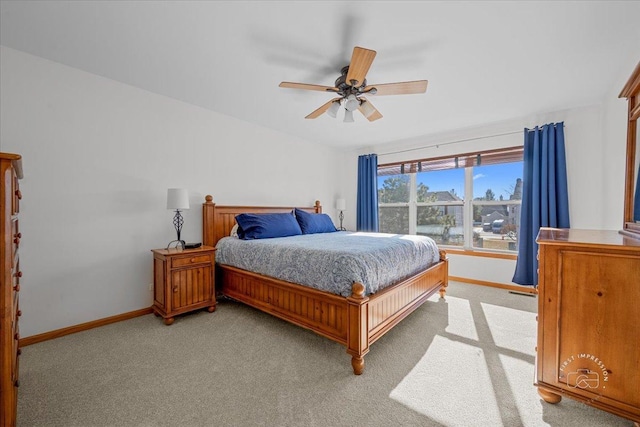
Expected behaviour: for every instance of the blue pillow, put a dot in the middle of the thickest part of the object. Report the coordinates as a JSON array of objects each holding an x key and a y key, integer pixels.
[
  {"x": 264, "y": 226},
  {"x": 314, "y": 223}
]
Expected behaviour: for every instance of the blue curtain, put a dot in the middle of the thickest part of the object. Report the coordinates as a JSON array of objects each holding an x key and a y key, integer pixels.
[
  {"x": 367, "y": 204},
  {"x": 636, "y": 198},
  {"x": 545, "y": 200}
]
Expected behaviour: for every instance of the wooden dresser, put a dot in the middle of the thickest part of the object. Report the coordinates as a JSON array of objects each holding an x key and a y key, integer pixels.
[
  {"x": 589, "y": 319},
  {"x": 10, "y": 172}
]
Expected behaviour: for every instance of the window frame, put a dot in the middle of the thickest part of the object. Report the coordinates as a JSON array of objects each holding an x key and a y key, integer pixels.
[{"x": 468, "y": 161}]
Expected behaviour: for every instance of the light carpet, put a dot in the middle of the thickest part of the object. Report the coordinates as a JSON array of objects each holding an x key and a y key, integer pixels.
[{"x": 467, "y": 360}]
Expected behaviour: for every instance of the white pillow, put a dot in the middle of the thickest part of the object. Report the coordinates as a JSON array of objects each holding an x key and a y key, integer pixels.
[{"x": 234, "y": 231}]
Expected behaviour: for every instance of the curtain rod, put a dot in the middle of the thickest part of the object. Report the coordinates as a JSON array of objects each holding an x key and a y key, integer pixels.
[
  {"x": 451, "y": 142},
  {"x": 458, "y": 141}
]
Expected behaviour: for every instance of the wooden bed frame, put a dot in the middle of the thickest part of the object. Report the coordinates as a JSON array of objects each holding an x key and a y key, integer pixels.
[{"x": 356, "y": 321}]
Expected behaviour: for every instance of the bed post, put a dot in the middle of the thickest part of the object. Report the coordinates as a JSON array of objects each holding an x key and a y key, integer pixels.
[
  {"x": 208, "y": 208},
  {"x": 358, "y": 330},
  {"x": 445, "y": 279},
  {"x": 318, "y": 206}
]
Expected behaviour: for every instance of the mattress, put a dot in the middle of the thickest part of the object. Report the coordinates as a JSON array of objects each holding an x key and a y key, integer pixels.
[{"x": 332, "y": 262}]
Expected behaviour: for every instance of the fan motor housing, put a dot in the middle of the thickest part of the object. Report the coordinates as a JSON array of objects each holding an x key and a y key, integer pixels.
[{"x": 345, "y": 88}]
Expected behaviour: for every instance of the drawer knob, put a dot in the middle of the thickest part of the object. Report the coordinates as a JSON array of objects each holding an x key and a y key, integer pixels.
[
  {"x": 19, "y": 194},
  {"x": 18, "y": 274},
  {"x": 19, "y": 313},
  {"x": 19, "y": 351},
  {"x": 175, "y": 289},
  {"x": 16, "y": 240},
  {"x": 193, "y": 260},
  {"x": 17, "y": 336},
  {"x": 17, "y": 288},
  {"x": 17, "y": 383}
]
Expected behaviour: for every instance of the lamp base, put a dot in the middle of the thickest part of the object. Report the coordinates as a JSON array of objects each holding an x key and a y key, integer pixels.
[{"x": 179, "y": 243}]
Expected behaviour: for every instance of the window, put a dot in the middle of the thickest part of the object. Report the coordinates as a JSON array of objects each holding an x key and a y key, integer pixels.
[{"x": 470, "y": 201}]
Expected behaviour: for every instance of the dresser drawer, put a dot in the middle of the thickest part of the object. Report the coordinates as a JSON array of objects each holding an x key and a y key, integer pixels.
[
  {"x": 15, "y": 235},
  {"x": 17, "y": 196},
  {"x": 16, "y": 307},
  {"x": 190, "y": 260},
  {"x": 16, "y": 274}
]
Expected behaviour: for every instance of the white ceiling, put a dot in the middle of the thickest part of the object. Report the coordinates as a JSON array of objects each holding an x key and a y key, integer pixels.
[{"x": 486, "y": 62}]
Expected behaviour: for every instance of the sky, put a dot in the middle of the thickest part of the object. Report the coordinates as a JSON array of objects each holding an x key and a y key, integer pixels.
[{"x": 500, "y": 178}]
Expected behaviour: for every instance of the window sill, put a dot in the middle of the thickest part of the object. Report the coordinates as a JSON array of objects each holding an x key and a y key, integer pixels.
[{"x": 483, "y": 254}]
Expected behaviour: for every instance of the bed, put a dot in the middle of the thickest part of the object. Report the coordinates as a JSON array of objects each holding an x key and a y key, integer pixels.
[{"x": 355, "y": 321}]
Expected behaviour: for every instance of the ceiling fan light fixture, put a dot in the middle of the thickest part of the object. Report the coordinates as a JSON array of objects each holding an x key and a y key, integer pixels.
[
  {"x": 333, "y": 109},
  {"x": 348, "y": 116},
  {"x": 352, "y": 103},
  {"x": 351, "y": 87}
]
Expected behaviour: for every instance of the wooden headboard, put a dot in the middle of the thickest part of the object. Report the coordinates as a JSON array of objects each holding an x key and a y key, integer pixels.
[{"x": 217, "y": 221}]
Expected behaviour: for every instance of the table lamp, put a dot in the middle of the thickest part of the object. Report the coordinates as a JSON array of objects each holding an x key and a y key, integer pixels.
[
  {"x": 178, "y": 199},
  {"x": 341, "y": 205}
]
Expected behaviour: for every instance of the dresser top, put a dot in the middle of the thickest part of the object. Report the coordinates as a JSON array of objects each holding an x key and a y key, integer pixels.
[
  {"x": 16, "y": 159},
  {"x": 564, "y": 236},
  {"x": 10, "y": 156}
]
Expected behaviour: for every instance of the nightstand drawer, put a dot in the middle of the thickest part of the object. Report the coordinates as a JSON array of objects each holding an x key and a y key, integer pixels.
[{"x": 185, "y": 261}]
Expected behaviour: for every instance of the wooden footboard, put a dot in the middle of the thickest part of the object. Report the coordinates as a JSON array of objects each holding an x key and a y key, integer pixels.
[
  {"x": 356, "y": 321},
  {"x": 393, "y": 304},
  {"x": 321, "y": 312}
]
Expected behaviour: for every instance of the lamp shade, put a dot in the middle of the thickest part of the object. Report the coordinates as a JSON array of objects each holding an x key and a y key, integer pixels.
[
  {"x": 341, "y": 205},
  {"x": 177, "y": 198},
  {"x": 333, "y": 109},
  {"x": 348, "y": 116},
  {"x": 352, "y": 103}
]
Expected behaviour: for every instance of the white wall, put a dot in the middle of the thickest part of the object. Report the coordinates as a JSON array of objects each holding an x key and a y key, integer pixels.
[{"x": 98, "y": 158}]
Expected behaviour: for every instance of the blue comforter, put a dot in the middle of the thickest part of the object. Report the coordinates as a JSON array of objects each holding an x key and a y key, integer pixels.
[{"x": 331, "y": 262}]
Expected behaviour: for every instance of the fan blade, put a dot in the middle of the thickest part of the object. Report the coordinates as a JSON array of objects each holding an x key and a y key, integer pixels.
[
  {"x": 361, "y": 60},
  {"x": 306, "y": 86},
  {"x": 401, "y": 88},
  {"x": 322, "y": 109},
  {"x": 368, "y": 110}
]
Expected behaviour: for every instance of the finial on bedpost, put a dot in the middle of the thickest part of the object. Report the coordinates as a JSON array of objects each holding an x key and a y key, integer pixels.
[
  {"x": 357, "y": 290},
  {"x": 318, "y": 206},
  {"x": 208, "y": 221}
]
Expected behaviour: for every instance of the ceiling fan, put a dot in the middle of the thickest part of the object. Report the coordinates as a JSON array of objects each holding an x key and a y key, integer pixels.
[{"x": 352, "y": 85}]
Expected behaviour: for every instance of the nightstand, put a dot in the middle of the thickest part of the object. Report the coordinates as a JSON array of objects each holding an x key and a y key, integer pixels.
[{"x": 183, "y": 281}]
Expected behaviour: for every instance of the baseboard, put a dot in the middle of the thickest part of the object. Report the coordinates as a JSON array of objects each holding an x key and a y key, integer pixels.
[
  {"x": 33, "y": 339},
  {"x": 516, "y": 288}
]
